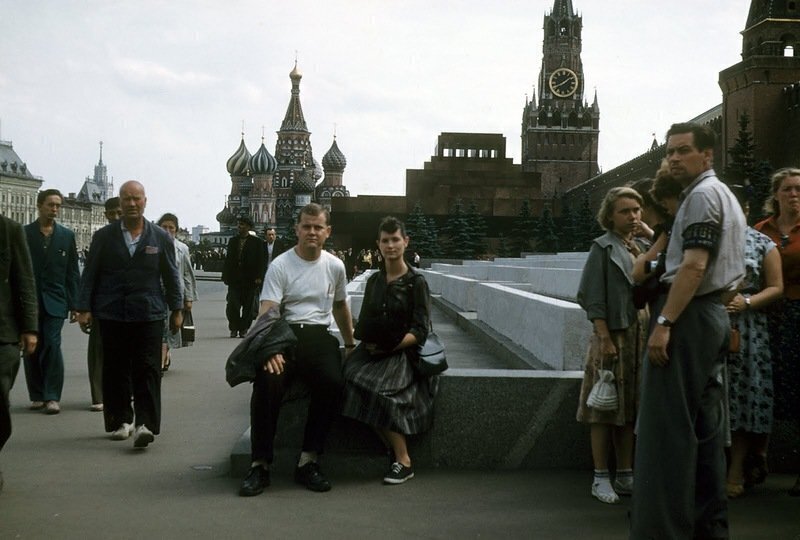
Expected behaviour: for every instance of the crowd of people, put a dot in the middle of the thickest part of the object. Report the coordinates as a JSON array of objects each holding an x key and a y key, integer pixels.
[{"x": 695, "y": 319}]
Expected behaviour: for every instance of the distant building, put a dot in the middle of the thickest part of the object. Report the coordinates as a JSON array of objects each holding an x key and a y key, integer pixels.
[
  {"x": 18, "y": 187},
  {"x": 270, "y": 189},
  {"x": 97, "y": 189},
  {"x": 197, "y": 231},
  {"x": 560, "y": 130}
]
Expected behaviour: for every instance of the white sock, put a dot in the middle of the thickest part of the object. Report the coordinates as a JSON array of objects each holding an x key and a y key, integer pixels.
[
  {"x": 601, "y": 487},
  {"x": 307, "y": 457},
  {"x": 260, "y": 462}
]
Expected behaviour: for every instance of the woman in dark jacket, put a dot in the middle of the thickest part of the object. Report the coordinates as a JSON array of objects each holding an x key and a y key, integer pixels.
[
  {"x": 606, "y": 294},
  {"x": 382, "y": 388}
]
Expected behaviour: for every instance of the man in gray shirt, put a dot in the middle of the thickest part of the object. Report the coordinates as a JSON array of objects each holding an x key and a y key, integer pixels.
[{"x": 679, "y": 470}]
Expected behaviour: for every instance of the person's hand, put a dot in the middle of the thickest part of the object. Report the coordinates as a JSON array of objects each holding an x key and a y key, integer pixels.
[
  {"x": 607, "y": 349},
  {"x": 737, "y": 305},
  {"x": 275, "y": 364},
  {"x": 348, "y": 351},
  {"x": 27, "y": 342},
  {"x": 84, "y": 319},
  {"x": 73, "y": 316},
  {"x": 175, "y": 321},
  {"x": 187, "y": 305},
  {"x": 657, "y": 346}
]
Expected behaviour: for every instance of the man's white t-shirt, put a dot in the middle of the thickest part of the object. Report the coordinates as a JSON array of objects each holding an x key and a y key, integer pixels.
[{"x": 307, "y": 289}]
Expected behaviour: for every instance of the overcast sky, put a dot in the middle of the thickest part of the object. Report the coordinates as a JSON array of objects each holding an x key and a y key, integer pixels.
[{"x": 166, "y": 85}]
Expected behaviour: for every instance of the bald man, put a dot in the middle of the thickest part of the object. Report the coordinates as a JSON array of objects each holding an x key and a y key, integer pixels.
[{"x": 121, "y": 293}]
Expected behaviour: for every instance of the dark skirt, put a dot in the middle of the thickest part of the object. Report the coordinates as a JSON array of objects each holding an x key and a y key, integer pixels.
[{"x": 385, "y": 392}]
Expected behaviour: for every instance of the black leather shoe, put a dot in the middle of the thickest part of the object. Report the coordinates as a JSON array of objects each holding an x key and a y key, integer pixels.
[
  {"x": 310, "y": 476},
  {"x": 255, "y": 481}
]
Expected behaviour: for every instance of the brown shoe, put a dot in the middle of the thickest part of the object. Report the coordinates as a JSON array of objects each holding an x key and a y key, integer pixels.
[{"x": 51, "y": 407}]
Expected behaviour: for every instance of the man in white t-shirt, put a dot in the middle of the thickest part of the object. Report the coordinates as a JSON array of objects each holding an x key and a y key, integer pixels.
[{"x": 309, "y": 285}]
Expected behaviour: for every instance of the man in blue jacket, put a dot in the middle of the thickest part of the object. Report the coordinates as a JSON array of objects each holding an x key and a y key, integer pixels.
[
  {"x": 121, "y": 288},
  {"x": 55, "y": 266}
]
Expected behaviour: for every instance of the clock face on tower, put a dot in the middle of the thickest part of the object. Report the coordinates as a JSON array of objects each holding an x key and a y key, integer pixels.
[{"x": 563, "y": 82}]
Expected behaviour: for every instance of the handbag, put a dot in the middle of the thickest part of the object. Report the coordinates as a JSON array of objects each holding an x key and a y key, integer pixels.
[
  {"x": 187, "y": 330},
  {"x": 603, "y": 396},
  {"x": 432, "y": 359}
]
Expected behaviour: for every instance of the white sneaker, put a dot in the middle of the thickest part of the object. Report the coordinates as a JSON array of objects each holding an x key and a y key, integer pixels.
[
  {"x": 142, "y": 437},
  {"x": 122, "y": 433},
  {"x": 604, "y": 494}
]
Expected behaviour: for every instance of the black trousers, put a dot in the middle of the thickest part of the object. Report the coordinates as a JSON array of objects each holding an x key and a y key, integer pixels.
[
  {"x": 9, "y": 365},
  {"x": 239, "y": 309},
  {"x": 317, "y": 362},
  {"x": 132, "y": 364}
]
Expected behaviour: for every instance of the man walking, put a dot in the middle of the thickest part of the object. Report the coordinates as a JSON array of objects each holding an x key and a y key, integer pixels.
[
  {"x": 679, "y": 489},
  {"x": 121, "y": 291},
  {"x": 18, "y": 314},
  {"x": 55, "y": 266},
  {"x": 309, "y": 285},
  {"x": 94, "y": 352},
  {"x": 243, "y": 273},
  {"x": 272, "y": 246}
]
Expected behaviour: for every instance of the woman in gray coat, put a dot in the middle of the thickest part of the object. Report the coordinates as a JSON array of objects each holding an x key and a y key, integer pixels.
[{"x": 620, "y": 331}]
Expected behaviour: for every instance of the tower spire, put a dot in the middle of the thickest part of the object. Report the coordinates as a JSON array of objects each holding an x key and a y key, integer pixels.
[{"x": 101, "y": 152}]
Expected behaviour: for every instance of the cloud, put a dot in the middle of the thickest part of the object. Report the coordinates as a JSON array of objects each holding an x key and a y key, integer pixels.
[{"x": 146, "y": 74}]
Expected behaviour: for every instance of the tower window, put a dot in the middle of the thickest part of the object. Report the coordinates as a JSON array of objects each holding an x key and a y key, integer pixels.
[{"x": 788, "y": 51}]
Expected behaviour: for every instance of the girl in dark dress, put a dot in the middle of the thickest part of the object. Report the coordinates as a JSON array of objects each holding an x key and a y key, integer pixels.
[{"x": 382, "y": 388}]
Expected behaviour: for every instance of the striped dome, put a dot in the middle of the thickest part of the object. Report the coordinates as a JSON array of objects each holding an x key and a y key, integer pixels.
[
  {"x": 334, "y": 160},
  {"x": 239, "y": 162},
  {"x": 262, "y": 162}
]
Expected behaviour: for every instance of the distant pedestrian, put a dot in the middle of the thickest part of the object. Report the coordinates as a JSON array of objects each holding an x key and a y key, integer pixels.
[
  {"x": 19, "y": 320},
  {"x": 679, "y": 487},
  {"x": 94, "y": 352},
  {"x": 55, "y": 264},
  {"x": 121, "y": 290},
  {"x": 243, "y": 273},
  {"x": 169, "y": 222}
]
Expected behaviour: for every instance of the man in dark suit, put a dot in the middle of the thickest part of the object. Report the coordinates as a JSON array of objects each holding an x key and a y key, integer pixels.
[
  {"x": 121, "y": 289},
  {"x": 55, "y": 266},
  {"x": 18, "y": 314},
  {"x": 273, "y": 246},
  {"x": 243, "y": 273}
]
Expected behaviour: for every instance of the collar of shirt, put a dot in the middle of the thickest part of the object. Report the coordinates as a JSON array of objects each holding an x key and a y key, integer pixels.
[
  {"x": 688, "y": 189},
  {"x": 129, "y": 239}
]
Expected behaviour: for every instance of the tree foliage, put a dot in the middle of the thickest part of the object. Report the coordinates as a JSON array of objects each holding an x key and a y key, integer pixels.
[
  {"x": 523, "y": 230},
  {"x": 458, "y": 228},
  {"x": 546, "y": 236}
]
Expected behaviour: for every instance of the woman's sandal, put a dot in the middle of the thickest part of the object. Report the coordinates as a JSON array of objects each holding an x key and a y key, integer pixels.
[
  {"x": 734, "y": 490},
  {"x": 167, "y": 363}
]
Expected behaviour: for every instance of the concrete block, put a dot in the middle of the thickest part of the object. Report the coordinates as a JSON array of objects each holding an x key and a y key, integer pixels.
[
  {"x": 554, "y": 331},
  {"x": 485, "y": 419}
]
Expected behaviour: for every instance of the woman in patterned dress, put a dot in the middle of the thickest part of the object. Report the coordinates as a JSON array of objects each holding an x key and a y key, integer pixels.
[
  {"x": 750, "y": 369},
  {"x": 620, "y": 330},
  {"x": 382, "y": 388},
  {"x": 783, "y": 227}
]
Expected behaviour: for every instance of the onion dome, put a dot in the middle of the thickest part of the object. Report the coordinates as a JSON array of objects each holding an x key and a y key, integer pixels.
[
  {"x": 226, "y": 217},
  {"x": 239, "y": 162},
  {"x": 305, "y": 182},
  {"x": 295, "y": 75},
  {"x": 334, "y": 160},
  {"x": 262, "y": 162}
]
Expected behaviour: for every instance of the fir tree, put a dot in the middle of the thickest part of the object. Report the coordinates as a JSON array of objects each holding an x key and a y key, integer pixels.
[
  {"x": 588, "y": 228},
  {"x": 546, "y": 237},
  {"x": 417, "y": 230},
  {"x": 760, "y": 191},
  {"x": 504, "y": 249},
  {"x": 742, "y": 164},
  {"x": 566, "y": 227},
  {"x": 434, "y": 246},
  {"x": 478, "y": 226},
  {"x": 459, "y": 232},
  {"x": 524, "y": 229}
]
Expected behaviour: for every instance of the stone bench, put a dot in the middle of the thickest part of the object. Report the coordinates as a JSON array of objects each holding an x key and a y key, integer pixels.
[{"x": 485, "y": 419}]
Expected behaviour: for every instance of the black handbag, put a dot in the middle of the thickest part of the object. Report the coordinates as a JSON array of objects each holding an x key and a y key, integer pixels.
[
  {"x": 187, "y": 330},
  {"x": 432, "y": 359}
]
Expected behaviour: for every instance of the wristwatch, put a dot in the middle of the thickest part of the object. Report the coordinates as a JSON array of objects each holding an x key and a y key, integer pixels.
[
  {"x": 746, "y": 301},
  {"x": 663, "y": 321}
]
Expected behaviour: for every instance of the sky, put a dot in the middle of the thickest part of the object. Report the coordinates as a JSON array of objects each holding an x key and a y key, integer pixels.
[{"x": 168, "y": 85}]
